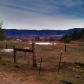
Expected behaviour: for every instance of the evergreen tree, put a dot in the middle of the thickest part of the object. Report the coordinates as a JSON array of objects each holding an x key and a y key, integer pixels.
[
  {"x": 2, "y": 36},
  {"x": 80, "y": 35},
  {"x": 75, "y": 35},
  {"x": 65, "y": 38},
  {"x": 82, "y": 32}
]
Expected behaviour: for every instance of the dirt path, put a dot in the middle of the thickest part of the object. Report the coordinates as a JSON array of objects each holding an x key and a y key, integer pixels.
[{"x": 12, "y": 78}]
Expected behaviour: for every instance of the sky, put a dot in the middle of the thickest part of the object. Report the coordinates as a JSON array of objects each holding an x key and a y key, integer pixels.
[{"x": 42, "y": 14}]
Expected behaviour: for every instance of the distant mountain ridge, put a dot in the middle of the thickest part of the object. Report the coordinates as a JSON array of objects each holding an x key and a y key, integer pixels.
[{"x": 27, "y": 33}]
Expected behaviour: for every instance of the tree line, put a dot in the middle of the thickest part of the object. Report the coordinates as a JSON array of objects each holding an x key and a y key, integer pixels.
[{"x": 75, "y": 35}]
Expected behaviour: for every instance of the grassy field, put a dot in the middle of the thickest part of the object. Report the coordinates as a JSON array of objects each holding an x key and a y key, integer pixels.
[{"x": 71, "y": 68}]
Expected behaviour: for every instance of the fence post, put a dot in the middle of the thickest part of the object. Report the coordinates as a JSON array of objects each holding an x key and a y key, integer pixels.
[
  {"x": 13, "y": 46},
  {"x": 6, "y": 46},
  {"x": 65, "y": 48},
  {"x": 0, "y": 56},
  {"x": 34, "y": 54},
  {"x": 59, "y": 61},
  {"x": 14, "y": 55}
]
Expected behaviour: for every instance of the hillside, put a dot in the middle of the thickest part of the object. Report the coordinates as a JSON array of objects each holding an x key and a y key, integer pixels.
[{"x": 33, "y": 33}]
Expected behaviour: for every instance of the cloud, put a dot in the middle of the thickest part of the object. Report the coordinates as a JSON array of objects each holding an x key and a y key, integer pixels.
[
  {"x": 35, "y": 14},
  {"x": 49, "y": 7}
]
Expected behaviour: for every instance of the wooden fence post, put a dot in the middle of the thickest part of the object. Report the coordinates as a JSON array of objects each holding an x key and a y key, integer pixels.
[
  {"x": 34, "y": 54},
  {"x": 13, "y": 46},
  {"x": 6, "y": 46},
  {"x": 59, "y": 61},
  {"x": 65, "y": 48},
  {"x": 14, "y": 55}
]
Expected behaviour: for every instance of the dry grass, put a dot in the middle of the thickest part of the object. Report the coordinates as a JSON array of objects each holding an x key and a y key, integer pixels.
[{"x": 71, "y": 70}]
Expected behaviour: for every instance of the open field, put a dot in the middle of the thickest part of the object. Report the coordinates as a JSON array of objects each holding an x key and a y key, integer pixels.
[{"x": 71, "y": 69}]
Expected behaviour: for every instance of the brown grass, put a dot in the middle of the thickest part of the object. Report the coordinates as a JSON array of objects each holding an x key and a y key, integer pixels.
[{"x": 71, "y": 70}]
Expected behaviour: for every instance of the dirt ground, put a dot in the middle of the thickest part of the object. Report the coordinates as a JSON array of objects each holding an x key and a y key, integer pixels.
[
  {"x": 13, "y": 78},
  {"x": 24, "y": 73}
]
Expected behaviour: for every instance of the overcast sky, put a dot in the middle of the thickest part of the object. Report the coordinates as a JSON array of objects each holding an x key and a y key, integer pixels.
[{"x": 42, "y": 14}]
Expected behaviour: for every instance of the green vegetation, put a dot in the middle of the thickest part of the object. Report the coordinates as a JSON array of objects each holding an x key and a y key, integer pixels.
[
  {"x": 2, "y": 36},
  {"x": 65, "y": 38},
  {"x": 75, "y": 35}
]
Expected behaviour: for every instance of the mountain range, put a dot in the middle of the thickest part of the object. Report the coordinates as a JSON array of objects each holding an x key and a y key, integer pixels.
[{"x": 13, "y": 33}]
